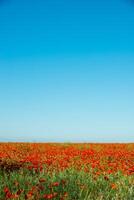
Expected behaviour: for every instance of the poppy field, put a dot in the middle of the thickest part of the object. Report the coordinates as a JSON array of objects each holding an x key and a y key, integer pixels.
[{"x": 66, "y": 171}]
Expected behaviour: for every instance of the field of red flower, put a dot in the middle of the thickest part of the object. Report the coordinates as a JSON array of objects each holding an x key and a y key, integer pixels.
[{"x": 66, "y": 171}]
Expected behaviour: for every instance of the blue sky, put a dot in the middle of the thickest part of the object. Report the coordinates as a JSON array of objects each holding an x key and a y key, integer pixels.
[{"x": 66, "y": 70}]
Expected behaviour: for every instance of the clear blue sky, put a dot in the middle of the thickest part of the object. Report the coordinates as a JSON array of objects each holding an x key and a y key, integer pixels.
[{"x": 67, "y": 70}]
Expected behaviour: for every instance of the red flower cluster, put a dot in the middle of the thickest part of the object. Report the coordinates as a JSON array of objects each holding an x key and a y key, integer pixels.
[{"x": 101, "y": 158}]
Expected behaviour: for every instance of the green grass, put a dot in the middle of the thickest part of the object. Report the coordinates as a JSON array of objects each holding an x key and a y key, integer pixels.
[{"x": 77, "y": 185}]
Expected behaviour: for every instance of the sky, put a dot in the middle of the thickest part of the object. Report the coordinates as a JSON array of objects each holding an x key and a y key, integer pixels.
[{"x": 67, "y": 70}]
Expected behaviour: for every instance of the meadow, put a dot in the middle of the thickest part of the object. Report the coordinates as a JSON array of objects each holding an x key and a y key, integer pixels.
[{"x": 85, "y": 171}]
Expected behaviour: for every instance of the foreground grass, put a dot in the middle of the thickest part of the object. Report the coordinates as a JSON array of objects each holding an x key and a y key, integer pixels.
[{"x": 68, "y": 184}]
